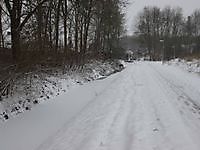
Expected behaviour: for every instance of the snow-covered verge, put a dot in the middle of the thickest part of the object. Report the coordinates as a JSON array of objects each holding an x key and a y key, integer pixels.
[
  {"x": 190, "y": 66},
  {"x": 36, "y": 87}
]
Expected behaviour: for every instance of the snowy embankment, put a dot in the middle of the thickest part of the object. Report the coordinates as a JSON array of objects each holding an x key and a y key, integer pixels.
[
  {"x": 30, "y": 129},
  {"x": 36, "y": 87},
  {"x": 190, "y": 66}
]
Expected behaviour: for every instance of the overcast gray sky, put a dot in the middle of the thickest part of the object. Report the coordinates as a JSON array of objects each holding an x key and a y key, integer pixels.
[{"x": 137, "y": 5}]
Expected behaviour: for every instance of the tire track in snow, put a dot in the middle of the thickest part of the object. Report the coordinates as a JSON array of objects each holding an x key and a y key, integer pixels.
[
  {"x": 137, "y": 111},
  {"x": 119, "y": 135},
  {"x": 184, "y": 99},
  {"x": 189, "y": 120},
  {"x": 149, "y": 129},
  {"x": 92, "y": 128}
]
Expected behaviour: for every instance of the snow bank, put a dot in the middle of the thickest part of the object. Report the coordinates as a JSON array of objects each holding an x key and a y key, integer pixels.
[
  {"x": 34, "y": 88},
  {"x": 191, "y": 66},
  {"x": 28, "y": 130}
]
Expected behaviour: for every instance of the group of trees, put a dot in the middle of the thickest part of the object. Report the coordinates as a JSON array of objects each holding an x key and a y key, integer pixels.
[
  {"x": 169, "y": 31},
  {"x": 70, "y": 29}
]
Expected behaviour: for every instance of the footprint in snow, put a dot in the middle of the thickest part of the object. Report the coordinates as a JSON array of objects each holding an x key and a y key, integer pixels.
[{"x": 155, "y": 130}]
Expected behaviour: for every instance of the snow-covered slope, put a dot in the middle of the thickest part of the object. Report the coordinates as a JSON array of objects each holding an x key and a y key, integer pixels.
[
  {"x": 38, "y": 86},
  {"x": 148, "y": 106},
  {"x": 29, "y": 130}
]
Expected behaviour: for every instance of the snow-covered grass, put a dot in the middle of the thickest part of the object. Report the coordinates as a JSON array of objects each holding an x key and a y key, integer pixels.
[
  {"x": 36, "y": 87},
  {"x": 190, "y": 66}
]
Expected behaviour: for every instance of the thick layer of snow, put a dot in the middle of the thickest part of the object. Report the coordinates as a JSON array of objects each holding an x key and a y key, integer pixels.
[{"x": 148, "y": 106}]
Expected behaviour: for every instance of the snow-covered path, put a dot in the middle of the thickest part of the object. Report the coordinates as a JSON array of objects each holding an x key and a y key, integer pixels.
[{"x": 148, "y": 106}]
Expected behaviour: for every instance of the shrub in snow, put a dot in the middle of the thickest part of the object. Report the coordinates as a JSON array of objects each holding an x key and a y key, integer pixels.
[{"x": 6, "y": 117}]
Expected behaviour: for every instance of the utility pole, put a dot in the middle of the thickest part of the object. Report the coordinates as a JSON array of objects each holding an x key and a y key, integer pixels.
[
  {"x": 163, "y": 50},
  {"x": 174, "y": 51}
]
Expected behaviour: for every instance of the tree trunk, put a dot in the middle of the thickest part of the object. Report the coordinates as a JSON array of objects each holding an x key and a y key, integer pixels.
[
  {"x": 57, "y": 23},
  {"x": 81, "y": 37},
  {"x": 65, "y": 12},
  {"x": 50, "y": 30},
  {"x": 15, "y": 38},
  {"x": 1, "y": 30},
  {"x": 85, "y": 41},
  {"x": 76, "y": 32},
  {"x": 76, "y": 39},
  {"x": 15, "y": 32},
  {"x": 86, "y": 28},
  {"x": 40, "y": 27}
]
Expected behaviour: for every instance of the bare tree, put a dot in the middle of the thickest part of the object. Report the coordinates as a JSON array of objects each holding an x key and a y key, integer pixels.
[
  {"x": 15, "y": 13},
  {"x": 155, "y": 25},
  {"x": 1, "y": 29}
]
